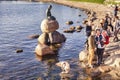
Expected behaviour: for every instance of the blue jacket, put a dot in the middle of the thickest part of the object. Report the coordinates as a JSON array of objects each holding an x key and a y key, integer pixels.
[{"x": 100, "y": 40}]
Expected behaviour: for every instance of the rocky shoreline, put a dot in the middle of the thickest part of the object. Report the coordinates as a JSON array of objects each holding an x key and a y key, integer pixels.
[
  {"x": 110, "y": 70},
  {"x": 100, "y": 9}
]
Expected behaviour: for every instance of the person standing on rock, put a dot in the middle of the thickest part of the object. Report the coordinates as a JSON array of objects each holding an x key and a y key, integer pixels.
[
  {"x": 88, "y": 28},
  {"x": 91, "y": 48},
  {"x": 117, "y": 28},
  {"x": 115, "y": 10},
  {"x": 107, "y": 22},
  {"x": 99, "y": 46},
  {"x": 88, "y": 31}
]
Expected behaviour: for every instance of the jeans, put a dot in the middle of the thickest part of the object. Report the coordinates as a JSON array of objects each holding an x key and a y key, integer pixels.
[{"x": 100, "y": 55}]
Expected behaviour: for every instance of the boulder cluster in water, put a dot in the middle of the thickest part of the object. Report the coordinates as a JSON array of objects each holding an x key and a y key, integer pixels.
[
  {"x": 72, "y": 28},
  {"x": 50, "y": 39}
]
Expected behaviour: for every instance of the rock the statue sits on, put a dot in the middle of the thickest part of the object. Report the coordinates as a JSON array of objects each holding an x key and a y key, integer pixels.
[
  {"x": 49, "y": 25},
  {"x": 49, "y": 35}
]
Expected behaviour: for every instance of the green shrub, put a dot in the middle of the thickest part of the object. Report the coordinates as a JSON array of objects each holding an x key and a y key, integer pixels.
[{"x": 93, "y": 1}]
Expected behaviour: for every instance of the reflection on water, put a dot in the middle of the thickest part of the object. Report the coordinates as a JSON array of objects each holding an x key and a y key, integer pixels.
[
  {"x": 48, "y": 58},
  {"x": 18, "y": 20},
  {"x": 50, "y": 61}
]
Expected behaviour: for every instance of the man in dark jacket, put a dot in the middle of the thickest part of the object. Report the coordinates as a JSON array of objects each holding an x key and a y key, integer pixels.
[
  {"x": 99, "y": 46},
  {"x": 88, "y": 28}
]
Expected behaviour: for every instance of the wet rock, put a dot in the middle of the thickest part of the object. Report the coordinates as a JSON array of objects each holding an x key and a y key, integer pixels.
[
  {"x": 78, "y": 30},
  {"x": 113, "y": 61},
  {"x": 19, "y": 50},
  {"x": 79, "y": 27},
  {"x": 83, "y": 55},
  {"x": 72, "y": 28},
  {"x": 49, "y": 25},
  {"x": 69, "y": 22},
  {"x": 43, "y": 39},
  {"x": 34, "y": 36},
  {"x": 55, "y": 37},
  {"x": 68, "y": 31},
  {"x": 79, "y": 15},
  {"x": 42, "y": 50}
]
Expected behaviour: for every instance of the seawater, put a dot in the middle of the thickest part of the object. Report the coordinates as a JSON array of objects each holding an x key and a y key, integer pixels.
[{"x": 18, "y": 20}]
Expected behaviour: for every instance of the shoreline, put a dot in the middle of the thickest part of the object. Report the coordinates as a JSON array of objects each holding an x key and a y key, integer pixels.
[
  {"x": 100, "y": 9},
  {"x": 112, "y": 50}
]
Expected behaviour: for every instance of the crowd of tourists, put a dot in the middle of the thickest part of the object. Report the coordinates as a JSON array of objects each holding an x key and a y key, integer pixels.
[{"x": 98, "y": 38}]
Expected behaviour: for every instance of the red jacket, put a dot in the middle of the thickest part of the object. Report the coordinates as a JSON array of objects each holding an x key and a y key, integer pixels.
[{"x": 106, "y": 40}]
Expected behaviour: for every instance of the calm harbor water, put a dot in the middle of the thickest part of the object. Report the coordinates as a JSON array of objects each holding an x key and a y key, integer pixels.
[{"x": 18, "y": 20}]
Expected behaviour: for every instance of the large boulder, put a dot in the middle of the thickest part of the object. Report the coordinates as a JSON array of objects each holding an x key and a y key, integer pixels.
[
  {"x": 42, "y": 50},
  {"x": 55, "y": 37},
  {"x": 43, "y": 39},
  {"x": 113, "y": 61},
  {"x": 83, "y": 55},
  {"x": 49, "y": 25}
]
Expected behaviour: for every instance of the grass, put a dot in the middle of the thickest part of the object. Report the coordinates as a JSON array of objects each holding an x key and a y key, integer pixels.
[
  {"x": 92, "y": 1},
  {"x": 112, "y": 2}
]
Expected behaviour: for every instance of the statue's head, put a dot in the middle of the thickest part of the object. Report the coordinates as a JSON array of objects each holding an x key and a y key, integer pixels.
[{"x": 50, "y": 6}]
